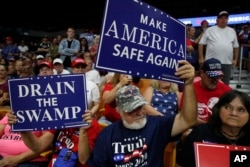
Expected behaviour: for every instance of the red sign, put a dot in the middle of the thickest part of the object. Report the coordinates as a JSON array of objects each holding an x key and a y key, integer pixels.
[{"x": 219, "y": 155}]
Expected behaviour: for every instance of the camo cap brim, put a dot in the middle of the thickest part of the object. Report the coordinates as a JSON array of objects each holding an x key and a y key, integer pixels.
[{"x": 128, "y": 98}]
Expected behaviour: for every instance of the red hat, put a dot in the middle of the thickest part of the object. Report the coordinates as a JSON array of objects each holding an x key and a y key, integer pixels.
[
  {"x": 9, "y": 38},
  {"x": 78, "y": 61},
  {"x": 204, "y": 21},
  {"x": 45, "y": 63}
]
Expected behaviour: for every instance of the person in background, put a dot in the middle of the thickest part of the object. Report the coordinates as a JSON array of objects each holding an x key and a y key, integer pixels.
[
  {"x": 69, "y": 48},
  {"x": 4, "y": 87},
  {"x": 43, "y": 47},
  {"x": 202, "y": 29},
  {"x": 10, "y": 50},
  {"x": 13, "y": 148},
  {"x": 248, "y": 64},
  {"x": 132, "y": 140},
  {"x": 84, "y": 47},
  {"x": 18, "y": 66},
  {"x": 93, "y": 93},
  {"x": 221, "y": 42},
  {"x": 110, "y": 113},
  {"x": 14, "y": 151},
  {"x": 12, "y": 71},
  {"x": 53, "y": 50},
  {"x": 48, "y": 57},
  {"x": 192, "y": 47},
  {"x": 23, "y": 48},
  {"x": 81, "y": 140},
  {"x": 243, "y": 40},
  {"x": 58, "y": 68},
  {"x": 229, "y": 124},
  {"x": 208, "y": 88},
  {"x": 91, "y": 73},
  {"x": 26, "y": 72},
  {"x": 93, "y": 48},
  {"x": 163, "y": 96},
  {"x": 37, "y": 61},
  {"x": 45, "y": 68}
]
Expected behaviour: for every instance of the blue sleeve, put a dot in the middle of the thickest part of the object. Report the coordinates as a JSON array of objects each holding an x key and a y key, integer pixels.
[{"x": 100, "y": 153}]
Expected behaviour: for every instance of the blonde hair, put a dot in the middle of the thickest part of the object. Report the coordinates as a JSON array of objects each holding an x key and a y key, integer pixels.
[
  {"x": 155, "y": 84},
  {"x": 115, "y": 79}
]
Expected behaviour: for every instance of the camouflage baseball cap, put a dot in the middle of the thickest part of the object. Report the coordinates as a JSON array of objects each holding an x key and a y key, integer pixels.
[{"x": 129, "y": 98}]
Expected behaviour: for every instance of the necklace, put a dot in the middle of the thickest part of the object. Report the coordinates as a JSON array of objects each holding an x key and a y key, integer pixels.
[
  {"x": 229, "y": 135},
  {"x": 230, "y": 138}
]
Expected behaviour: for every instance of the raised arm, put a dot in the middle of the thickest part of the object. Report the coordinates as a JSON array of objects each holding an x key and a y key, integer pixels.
[
  {"x": 186, "y": 118},
  {"x": 36, "y": 144},
  {"x": 84, "y": 149}
]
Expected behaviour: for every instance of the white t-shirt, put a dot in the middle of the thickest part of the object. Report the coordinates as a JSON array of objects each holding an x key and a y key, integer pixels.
[
  {"x": 93, "y": 93},
  {"x": 220, "y": 43},
  {"x": 63, "y": 72},
  {"x": 93, "y": 75}
]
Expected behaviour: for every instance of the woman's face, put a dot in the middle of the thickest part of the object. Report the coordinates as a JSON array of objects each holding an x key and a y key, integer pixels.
[
  {"x": 234, "y": 114},
  {"x": 164, "y": 84},
  {"x": 3, "y": 72}
]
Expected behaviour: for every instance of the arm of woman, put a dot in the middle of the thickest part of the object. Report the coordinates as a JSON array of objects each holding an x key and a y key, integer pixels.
[
  {"x": 109, "y": 96},
  {"x": 148, "y": 93},
  {"x": 35, "y": 143},
  {"x": 2, "y": 129},
  {"x": 95, "y": 108},
  {"x": 16, "y": 159},
  {"x": 38, "y": 144}
]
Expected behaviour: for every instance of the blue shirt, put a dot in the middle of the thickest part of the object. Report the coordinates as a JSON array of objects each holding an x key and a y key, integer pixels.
[
  {"x": 120, "y": 146},
  {"x": 166, "y": 103}
]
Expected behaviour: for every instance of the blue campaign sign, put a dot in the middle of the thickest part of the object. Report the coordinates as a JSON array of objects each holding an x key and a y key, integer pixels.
[
  {"x": 140, "y": 40},
  {"x": 48, "y": 102}
]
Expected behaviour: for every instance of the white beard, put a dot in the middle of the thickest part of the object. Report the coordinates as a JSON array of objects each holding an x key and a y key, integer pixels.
[{"x": 135, "y": 125}]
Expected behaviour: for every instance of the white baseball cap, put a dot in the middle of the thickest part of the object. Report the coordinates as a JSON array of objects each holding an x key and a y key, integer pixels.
[
  {"x": 39, "y": 57},
  {"x": 58, "y": 60}
]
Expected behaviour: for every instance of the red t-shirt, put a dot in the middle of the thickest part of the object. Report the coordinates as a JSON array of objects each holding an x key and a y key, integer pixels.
[
  {"x": 206, "y": 99},
  {"x": 110, "y": 108},
  {"x": 69, "y": 138}
]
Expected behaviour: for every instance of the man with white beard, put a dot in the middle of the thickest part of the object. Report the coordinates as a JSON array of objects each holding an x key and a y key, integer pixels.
[{"x": 139, "y": 139}]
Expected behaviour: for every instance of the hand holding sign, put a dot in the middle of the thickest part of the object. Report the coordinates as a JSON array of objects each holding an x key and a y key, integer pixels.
[
  {"x": 42, "y": 102},
  {"x": 147, "y": 42}
]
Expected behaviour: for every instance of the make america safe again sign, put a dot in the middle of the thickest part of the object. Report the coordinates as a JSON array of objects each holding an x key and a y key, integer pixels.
[{"x": 140, "y": 40}]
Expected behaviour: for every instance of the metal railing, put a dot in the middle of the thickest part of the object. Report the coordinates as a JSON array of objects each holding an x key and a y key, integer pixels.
[{"x": 240, "y": 65}]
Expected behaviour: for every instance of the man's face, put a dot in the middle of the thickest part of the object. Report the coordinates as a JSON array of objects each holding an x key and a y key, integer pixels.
[
  {"x": 44, "y": 71},
  {"x": 135, "y": 119},
  {"x": 209, "y": 82},
  {"x": 58, "y": 67},
  {"x": 222, "y": 21},
  {"x": 79, "y": 69}
]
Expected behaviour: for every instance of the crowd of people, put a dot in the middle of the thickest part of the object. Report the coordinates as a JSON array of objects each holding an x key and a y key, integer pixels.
[{"x": 139, "y": 124}]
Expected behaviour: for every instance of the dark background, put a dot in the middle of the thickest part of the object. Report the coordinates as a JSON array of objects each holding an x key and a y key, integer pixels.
[{"x": 52, "y": 16}]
